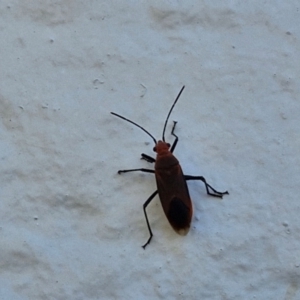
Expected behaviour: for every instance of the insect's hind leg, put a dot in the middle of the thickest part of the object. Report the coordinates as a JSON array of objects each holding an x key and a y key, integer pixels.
[
  {"x": 176, "y": 137},
  {"x": 207, "y": 186},
  {"x": 148, "y": 224},
  {"x": 134, "y": 170}
]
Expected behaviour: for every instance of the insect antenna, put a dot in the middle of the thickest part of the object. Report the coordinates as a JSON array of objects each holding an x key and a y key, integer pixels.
[
  {"x": 136, "y": 125},
  {"x": 163, "y": 135}
]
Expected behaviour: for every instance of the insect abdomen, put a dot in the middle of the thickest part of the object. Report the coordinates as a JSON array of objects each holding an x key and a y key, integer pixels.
[{"x": 179, "y": 216}]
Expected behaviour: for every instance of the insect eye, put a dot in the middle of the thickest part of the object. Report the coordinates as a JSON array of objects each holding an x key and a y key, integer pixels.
[{"x": 154, "y": 149}]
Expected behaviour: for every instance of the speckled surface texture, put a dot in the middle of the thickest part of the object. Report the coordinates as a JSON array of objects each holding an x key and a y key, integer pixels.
[{"x": 70, "y": 227}]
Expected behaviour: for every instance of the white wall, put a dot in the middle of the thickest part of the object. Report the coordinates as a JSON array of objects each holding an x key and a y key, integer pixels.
[{"x": 70, "y": 227}]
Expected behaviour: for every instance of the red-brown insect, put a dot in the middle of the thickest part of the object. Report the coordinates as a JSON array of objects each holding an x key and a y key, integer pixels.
[{"x": 171, "y": 182}]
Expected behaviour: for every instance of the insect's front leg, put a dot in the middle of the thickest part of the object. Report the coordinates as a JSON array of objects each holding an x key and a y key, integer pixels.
[
  {"x": 134, "y": 170},
  {"x": 147, "y": 158},
  {"x": 215, "y": 194},
  {"x": 176, "y": 138}
]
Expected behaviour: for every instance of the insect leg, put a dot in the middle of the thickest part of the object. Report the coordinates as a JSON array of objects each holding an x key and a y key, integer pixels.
[
  {"x": 148, "y": 158},
  {"x": 148, "y": 224},
  {"x": 133, "y": 170},
  {"x": 176, "y": 137},
  {"x": 217, "y": 194}
]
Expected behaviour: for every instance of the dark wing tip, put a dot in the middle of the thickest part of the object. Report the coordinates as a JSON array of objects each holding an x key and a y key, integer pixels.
[{"x": 179, "y": 216}]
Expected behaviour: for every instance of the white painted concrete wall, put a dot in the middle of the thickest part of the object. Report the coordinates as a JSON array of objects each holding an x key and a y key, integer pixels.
[{"x": 70, "y": 227}]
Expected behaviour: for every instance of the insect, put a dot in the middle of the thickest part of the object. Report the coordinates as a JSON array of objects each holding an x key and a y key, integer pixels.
[{"x": 171, "y": 182}]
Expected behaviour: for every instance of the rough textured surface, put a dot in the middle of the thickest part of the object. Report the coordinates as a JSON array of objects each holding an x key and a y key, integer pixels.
[{"x": 70, "y": 227}]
